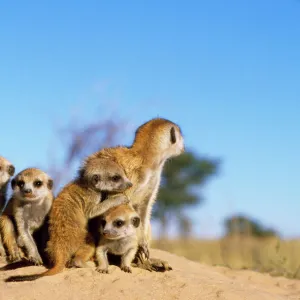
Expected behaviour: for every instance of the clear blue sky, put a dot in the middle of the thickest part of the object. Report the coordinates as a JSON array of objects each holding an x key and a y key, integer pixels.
[{"x": 227, "y": 71}]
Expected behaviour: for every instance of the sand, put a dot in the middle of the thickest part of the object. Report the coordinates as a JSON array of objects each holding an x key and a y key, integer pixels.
[{"x": 188, "y": 281}]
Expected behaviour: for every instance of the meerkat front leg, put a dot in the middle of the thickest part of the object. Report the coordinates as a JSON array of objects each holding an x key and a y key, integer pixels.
[
  {"x": 102, "y": 207},
  {"x": 127, "y": 259},
  {"x": 101, "y": 259},
  {"x": 27, "y": 239}
]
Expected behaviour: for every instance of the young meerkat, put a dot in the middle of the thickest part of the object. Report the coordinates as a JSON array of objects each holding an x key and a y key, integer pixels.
[
  {"x": 7, "y": 170},
  {"x": 119, "y": 236},
  {"x": 80, "y": 200},
  {"x": 25, "y": 213},
  {"x": 155, "y": 142}
]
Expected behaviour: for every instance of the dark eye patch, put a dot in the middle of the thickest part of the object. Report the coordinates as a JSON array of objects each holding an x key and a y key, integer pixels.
[
  {"x": 116, "y": 178},
  {"x": 173, "y": 135},
  {"x": 37, "y": 183},
  {"x": 136, "y": 222},
  {"x": 95, "y": 178},
  {"x": 20, "y": 183},
  {"x": 103, "y": 223},
  {"x": 118, "y": 223}
]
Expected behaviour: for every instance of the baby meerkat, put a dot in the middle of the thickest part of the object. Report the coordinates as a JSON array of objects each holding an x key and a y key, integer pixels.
[
  {"x": 25, "y": 213},
  {"x": 155, "y": 142},
  {"x": 118, "y": 229},
  {"x": 7, "y": 170},
  {"x": 80, "y": 200}
]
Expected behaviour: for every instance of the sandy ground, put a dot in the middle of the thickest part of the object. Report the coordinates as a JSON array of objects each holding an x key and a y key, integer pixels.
[{"x": 188, "y": 281}]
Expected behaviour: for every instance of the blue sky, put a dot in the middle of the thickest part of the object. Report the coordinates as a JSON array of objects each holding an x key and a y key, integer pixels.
[{"x": 227, "y": 72}]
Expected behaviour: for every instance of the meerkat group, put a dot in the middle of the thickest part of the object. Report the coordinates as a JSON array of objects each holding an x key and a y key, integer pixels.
[{"x": 105, "y": 210}]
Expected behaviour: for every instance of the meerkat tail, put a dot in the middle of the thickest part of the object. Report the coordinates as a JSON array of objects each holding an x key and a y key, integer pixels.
[{"x": 57, "y": 268}]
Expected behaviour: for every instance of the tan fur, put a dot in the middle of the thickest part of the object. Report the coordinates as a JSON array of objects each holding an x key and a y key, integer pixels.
[
  {"x": 79, "y": 201},
  {"x": 7, "y": 170},
  {"x": 25, "y": 213},
  {"x": 119, "y": 240},
  {"x": 143, "y": 163}
]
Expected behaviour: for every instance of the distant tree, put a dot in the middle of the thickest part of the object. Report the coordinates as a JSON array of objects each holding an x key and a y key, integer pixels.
[
  {"x": 79, "y": 139},
  {"x": 242, "y": 225},
  {"x": 178, "y": 190}
]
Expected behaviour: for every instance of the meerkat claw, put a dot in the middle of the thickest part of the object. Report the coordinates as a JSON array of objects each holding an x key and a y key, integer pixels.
[
  {"x": 102, "y": 271},
  {"x": 126, "y": 269}
]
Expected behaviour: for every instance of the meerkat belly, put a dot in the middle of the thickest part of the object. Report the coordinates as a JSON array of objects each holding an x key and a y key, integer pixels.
[
  {"x": 149, "y": 182},
  {"x": 35, "y": 216}
]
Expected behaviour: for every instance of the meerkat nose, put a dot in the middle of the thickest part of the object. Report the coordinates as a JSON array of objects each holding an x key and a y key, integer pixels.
[
  {"x": 27, "y": 191},
  {"x": 129, "y": 184},
  {"x": 105, "y": 232}
]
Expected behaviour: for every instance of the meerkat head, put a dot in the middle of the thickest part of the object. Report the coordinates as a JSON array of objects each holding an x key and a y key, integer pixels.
[
  {"x": 160, "y": 135},
  {"x": 104, "y": 175},
  {"x": 119, "y": 222},
  {"x": 7, "y": 170},
  {"x": 31, "y": 185}
]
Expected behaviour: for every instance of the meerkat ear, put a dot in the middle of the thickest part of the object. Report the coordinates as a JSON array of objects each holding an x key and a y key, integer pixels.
[
  {"x": 13, "y": 183},
  {"x": 11, "y": 170},
  {"x": 50, "y": 184},
  {"x": 136, "y": 222},
  {"x": 173, "y": 135}
]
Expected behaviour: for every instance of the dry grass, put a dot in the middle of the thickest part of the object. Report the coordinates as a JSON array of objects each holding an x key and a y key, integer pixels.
[{"x": 272, "y": 255}]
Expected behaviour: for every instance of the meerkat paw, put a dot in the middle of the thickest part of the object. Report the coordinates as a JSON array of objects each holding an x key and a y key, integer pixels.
[
  {"x": 36, "y": 260},
  {"x": 14, "y": 257},
  {"x": 126, "y": 269},
  {"x": 152, "y": 264},
  {"x": 143, "y": 249},
  {"x": 160, "y": 265},
  {"x": 102, "y": 270},
  {"x": 77, "y": 263}
]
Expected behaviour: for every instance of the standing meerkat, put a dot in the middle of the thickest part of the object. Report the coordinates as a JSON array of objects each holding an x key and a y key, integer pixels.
[
  {"x": 7, "y": 170},
  {"x": 79, "y": 201},
  {"x": 25, "y": 213},
  {"x": 119, "y": 236},
  {"x": 155, "y": 142}
]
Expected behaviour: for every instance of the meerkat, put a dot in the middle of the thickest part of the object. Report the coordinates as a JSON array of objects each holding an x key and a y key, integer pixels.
[
  {"x": 118, "y": 230},
  {"x": 78, "y": 201},
  {"x": 25, "y": 213},
  {"x": 155, "y": 142},
  {"x": 7, "y": 170}
]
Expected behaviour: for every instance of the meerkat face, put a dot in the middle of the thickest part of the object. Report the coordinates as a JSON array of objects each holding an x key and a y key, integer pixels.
[
  {"x": 7, "y": 170},
  {"x": 105, "y": 175},
  {"x": 31, "y": 185},
  {"x": 119, "y": 222}
]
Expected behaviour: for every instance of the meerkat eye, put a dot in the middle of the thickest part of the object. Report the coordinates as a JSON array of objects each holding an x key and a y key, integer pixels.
[
  {"x": 136, "y": 221},
  {"x": 95, "y": 178},
  {"x": 119, "y": 223},
  {"x": 38, "y": 183},
  {"x": 20, "y": 183},
  {"x": 173, "y": 135},
  {"x": 116, "y": 178},
  {"x": 0, "y": 168}
]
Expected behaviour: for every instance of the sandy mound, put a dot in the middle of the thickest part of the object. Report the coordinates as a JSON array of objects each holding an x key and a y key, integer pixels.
[{"x": 188, "y": 281}]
